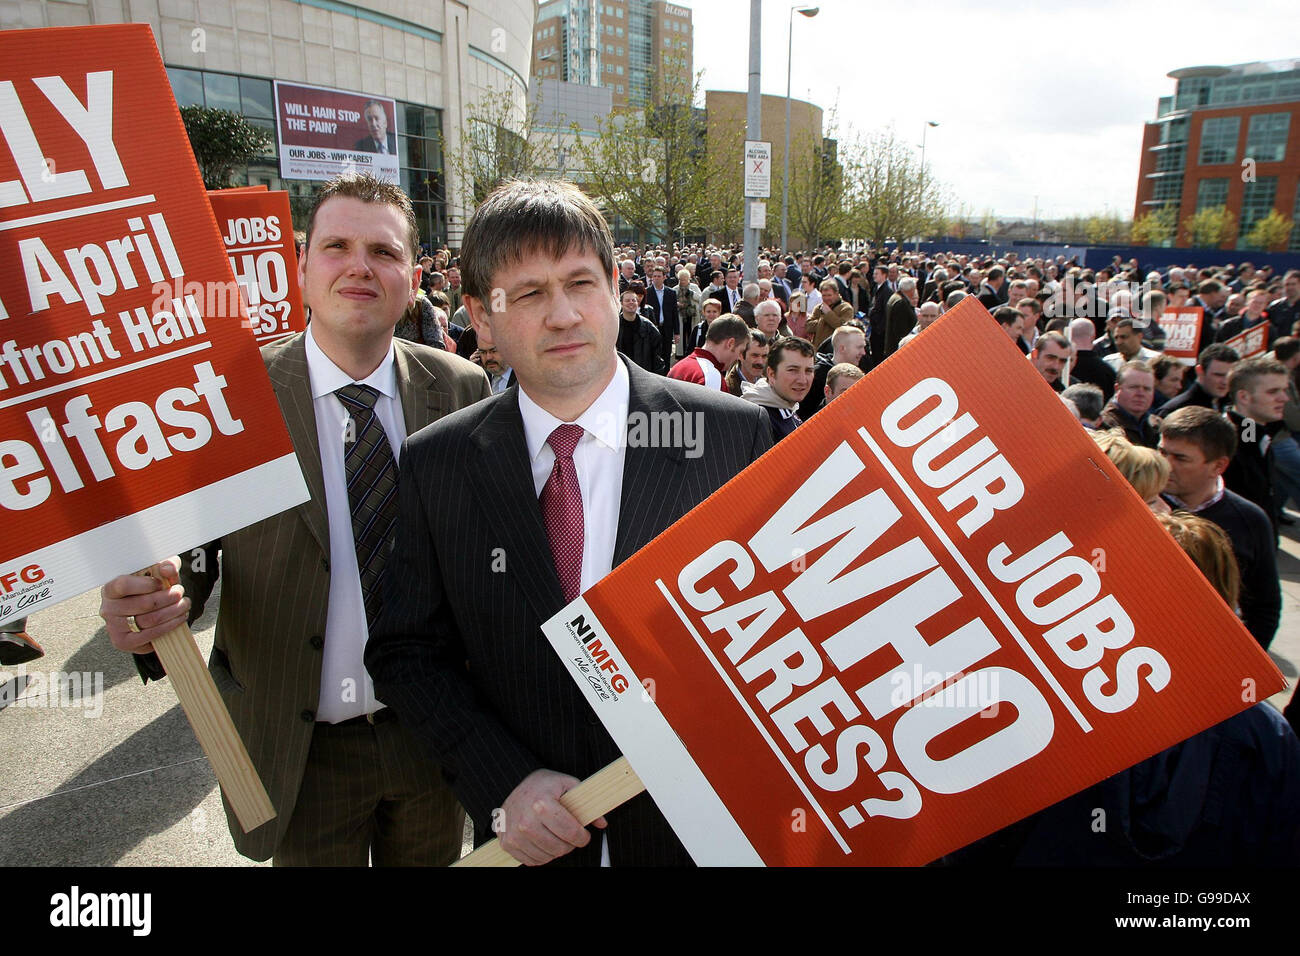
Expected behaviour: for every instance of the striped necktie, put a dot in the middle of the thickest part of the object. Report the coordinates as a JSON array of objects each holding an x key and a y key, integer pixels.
[{"x": 372, "y": 491}]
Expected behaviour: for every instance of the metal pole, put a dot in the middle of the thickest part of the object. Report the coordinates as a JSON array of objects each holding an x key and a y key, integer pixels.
[
  {"x": 920, "y": 198},
  {"x": 754, "y": 126},
  {"x": 785, "y": 157}
]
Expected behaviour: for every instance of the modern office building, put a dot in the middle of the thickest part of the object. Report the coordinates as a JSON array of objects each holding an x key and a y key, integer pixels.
[
  {"x": 633, "y": 48},
  {"x": 432, "y": 60},
  {"x": 1228, "y": 136}
]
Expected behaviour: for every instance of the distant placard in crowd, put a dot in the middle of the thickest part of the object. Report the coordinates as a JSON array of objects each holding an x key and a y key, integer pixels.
[
  {"x": 1250, "y": 342},
  {"x": 326, "y": 133},
  {"x": 138, "y": 420},
  {"x": 912, "y": 623},
  {"x": 257, "y": 230},
  {"x": 1182, "y": 325}
]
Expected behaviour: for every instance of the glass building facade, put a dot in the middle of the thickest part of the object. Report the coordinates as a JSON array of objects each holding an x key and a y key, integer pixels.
[{"x": 1226, "y": 137}]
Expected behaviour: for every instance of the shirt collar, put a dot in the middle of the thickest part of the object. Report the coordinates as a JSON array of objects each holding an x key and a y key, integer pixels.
[
  {"x": 605, "y": 420},
  {"x": 1213, "y": 499},
  {"x": 327, "y": 378}
]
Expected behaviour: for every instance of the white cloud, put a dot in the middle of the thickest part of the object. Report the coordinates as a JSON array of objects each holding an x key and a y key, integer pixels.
[{"x": 1035, "y": 99}]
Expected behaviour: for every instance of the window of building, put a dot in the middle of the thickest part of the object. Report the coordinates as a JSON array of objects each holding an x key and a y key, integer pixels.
[
  {"x": 1175, "y": 131},
  {"x": 221, "y": 91},
  {"x": 1219, "y": 139},
  {"x": 1211, "y": 193},
  {"x": 609, "y": 28},
  {"x": 1256, "y": 202},
  {"x": 619, "y": 51},
  {"x": 1257, "y": 88},
  {"x": 1167, "y": 189},
  {"x": 1170, "y": 159},
  {"x": 619, "y": 31},
  {"x": 187, "y": 86},
  {"x": 619, "y": 13},
  {"x": 620, "y": 70},
  {"x": 619, "y": 88},
  {"x": 1266, "y": 137}
]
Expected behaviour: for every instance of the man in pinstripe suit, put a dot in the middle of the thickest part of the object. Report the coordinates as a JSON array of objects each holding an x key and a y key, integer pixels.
[
  {"x": 349, "y": 784},
  {"x": 556, "y": 497}
]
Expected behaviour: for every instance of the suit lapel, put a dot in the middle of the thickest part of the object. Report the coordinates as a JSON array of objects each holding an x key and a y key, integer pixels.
[
  {"x": 289, "y": 378},
  {"x": 501, "y": 469},
  {"x": 425, "y": 397},
  {"x": 652, "y": 471}
]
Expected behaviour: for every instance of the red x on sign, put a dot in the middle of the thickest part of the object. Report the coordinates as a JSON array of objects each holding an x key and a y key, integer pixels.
[{"x": 758, "y": 165}]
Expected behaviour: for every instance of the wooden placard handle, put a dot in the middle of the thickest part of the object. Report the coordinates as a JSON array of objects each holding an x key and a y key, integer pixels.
[
  {"x": 207, "y": 714},
  {"x": 594, "y": 797}
]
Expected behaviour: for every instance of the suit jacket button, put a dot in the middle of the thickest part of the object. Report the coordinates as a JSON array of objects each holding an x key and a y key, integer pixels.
[
  {"x": 308, "y": 716},
  {"x": 325, "y": 563},
  {"x": 317, "y": 641}
]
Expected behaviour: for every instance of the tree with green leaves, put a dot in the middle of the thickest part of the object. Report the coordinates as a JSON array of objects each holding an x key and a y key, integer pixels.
[
  {"x": 1154, "y": 228},
  {"x": 1210, "y": 227},
  {"x": 887, "y": 194},
  {"x": 647, "y": 166},
  {"x": 222, "y": 141},
  {"x": 1101, "y": 229},
  {"x": 817, "y": 209},
  {"x": 501, "y": 139},
  {"x": 1270, "y": 233}
]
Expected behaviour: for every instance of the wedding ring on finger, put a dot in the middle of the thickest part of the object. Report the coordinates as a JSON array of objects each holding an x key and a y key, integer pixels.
[{"x": 131, "y": 625}]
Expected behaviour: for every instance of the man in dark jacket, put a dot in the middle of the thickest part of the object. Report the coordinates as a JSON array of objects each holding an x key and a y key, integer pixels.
[
  {"x": 1087, "y": 365},
  {"x": 1211, "y": 385},
  {"x": 1130, "y": 409},
  {"x": 1199, "y": 444},
  {"x": 638, "y": 338},
  {"x": 1258, "y": 387}
]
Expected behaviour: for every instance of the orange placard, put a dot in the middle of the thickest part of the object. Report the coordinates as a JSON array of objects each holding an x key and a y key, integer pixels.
[
  {"x": 1250, "y": 342},
  {"x": 1182, "y": 325},
  {"x": 257, "y": 229},
  {"x": 137, "y": 420},
  {"x": 918, "y": 619}
]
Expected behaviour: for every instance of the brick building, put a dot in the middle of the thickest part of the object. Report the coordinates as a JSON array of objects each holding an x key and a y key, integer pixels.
[{"x": 1228, "y": 136}]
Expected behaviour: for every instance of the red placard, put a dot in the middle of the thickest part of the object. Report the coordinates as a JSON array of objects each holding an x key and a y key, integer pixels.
[
  {"x": 1182, "y": 325},
  {"x": 893, "y": 634},
  {"x": 136, "y": 421},
  {"x": 1250, "y": 342},
  {"x": 257, "y": 229}
]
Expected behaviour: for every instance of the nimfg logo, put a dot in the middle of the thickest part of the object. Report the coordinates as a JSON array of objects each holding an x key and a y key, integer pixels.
[{"x": 23, "y": 588}]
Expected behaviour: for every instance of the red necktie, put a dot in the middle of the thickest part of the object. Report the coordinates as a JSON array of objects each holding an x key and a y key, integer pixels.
[{"x": 561, "y": 502}]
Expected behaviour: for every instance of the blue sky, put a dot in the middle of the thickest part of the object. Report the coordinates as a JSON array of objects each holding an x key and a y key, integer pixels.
[{"x": 1033, "y": 98}]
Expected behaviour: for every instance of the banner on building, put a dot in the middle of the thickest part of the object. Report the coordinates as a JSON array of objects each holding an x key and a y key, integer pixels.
[{"x": 325, "y": 133}]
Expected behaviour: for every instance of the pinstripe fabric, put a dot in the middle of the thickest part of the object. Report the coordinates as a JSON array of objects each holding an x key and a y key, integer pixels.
[
  {"x": 363, "y": 797},
  {"x": 458, "y": 651},
  {"x": 266, "y": 659}
]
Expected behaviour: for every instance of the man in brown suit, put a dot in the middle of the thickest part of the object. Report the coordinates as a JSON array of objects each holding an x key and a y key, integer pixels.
[{"x": 299, "y": 589}]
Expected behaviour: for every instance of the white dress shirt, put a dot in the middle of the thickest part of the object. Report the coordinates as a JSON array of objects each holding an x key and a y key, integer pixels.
[
  {"x": 346, "y": 690},
  {"x": 598, "y": 460}
]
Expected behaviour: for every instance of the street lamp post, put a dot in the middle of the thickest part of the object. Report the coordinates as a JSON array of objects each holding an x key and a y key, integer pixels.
[
  {"x": 789, "y": 66},
  {"x": 921, "y": 191}
]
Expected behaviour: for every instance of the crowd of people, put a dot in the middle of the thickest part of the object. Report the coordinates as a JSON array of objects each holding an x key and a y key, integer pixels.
[{"x": 443, "y": 630}]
